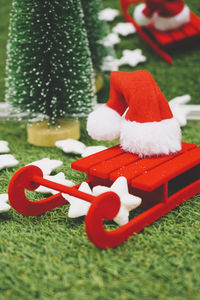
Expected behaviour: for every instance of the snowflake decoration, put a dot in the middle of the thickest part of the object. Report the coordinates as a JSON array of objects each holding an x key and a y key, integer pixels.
[
  {"x": 4, "y": 206},
  {"x": 124, "y": 29},
  {"x": 79, "y": 207},
  {"x": 108, "y": 14},
  {"x": 7, "y": 161},
  {"x": 46, "y": 165}
]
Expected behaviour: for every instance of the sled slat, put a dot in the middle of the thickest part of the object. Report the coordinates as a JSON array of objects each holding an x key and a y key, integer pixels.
[
  {"x": 189, "y": 30},
  {"x": 195, "y": 21},
  {"x": 178, "y": 35},
  {"x": 85, "y": 163},
  {"x": 144, "y": 165},
  {"x": 163, "y": 38},
  {"x": 163, "y": 173},
  {"x": 104, "y": 168}
]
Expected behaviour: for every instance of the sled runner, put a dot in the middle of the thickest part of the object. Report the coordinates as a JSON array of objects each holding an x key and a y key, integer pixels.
[
  {"x": 162, "y": 182},
  {"x": 164, "y": 42}
]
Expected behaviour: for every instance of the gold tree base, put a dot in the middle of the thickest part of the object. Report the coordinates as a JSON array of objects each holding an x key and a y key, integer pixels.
[
  {"x": 45, "y": 135},
  {"x": 98, "y": 81}
]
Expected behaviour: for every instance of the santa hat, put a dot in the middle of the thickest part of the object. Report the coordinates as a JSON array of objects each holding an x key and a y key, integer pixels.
[
  {"x": 166, "y": 15},
  {"x": 148, "y": 127}
]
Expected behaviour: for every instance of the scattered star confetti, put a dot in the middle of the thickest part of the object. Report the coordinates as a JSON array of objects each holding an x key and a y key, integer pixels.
[
  {"x": 4, "y": 147},
  {"x": 71, "y": 146},
  {"x": 78, "y": 207},
  {"x": 7, "y": 161},
  {"x": 110, "y": 64},
  {"x": 92, "y": 150},
  {"x": 4, "y": 206},
  {"x": 129, "y": 57},
  {"x": 47, "y": 165},
  {"x": 58, "y": 178},
  {"x": 108, "y": 14},
  {"x": 132, "y": 57},
  {"x": 183, "y": 112},
  {"x": 128, "y": 201},
  {"x": 124, "y": 29},
  {"x": 111, "y": 40},
  {"x": 77, "y": 147}
]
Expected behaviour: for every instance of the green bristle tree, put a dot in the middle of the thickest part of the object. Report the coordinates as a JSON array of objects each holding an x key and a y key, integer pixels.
[
  {"x": 49, "y": 66},
  {"x": 97, "y": 30}
]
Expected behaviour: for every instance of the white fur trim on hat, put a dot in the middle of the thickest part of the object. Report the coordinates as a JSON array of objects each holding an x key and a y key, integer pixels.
[
  {"x": 139, "y": 16},
  {"x": 104, "y": 123},
  {"x": 164, "y": 23},
  {"x": 151, "y": 138}
]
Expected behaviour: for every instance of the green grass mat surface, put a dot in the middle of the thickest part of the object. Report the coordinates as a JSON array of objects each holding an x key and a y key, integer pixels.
[{"x": 50, "y": 256}]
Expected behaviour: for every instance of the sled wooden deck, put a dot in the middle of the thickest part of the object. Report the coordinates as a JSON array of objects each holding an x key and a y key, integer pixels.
[
  {"x": 146, "y": 174},
  {"x": 164, "y": 42},
  {"x": 187, "y": 35}
]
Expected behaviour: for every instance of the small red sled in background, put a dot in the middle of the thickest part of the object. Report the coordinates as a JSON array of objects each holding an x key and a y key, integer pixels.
[
  {"x": 162, "y": 182},
  {"x": 164, "y": 42}
]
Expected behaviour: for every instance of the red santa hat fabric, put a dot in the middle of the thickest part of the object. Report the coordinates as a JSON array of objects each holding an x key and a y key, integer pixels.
[
  {"x": 165, "y": 14},
  {"x": 148, "y": 127}
]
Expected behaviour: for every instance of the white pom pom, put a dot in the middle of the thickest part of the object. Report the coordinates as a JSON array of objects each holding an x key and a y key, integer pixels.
[
  {"x": 139, "y": 16},
  {"x": 104, "y": 123}
]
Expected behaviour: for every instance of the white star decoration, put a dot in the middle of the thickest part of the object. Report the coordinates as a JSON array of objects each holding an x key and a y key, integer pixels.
[
  {"x": 4, "y": 147},
  {"x": 183, "y": 112},
  {"x": 108, "y": 14},
  {"x": 71, "y": 146},
  {"x": 7, "y": 160},
  {"x": 129, "y": 57},
  {"x": 128, "y": 201},
  {"x": 79, "y": 207},
  {"x": 132, "y": 57},
  {"x": 92, "y": 150},
  {"x": 111, "y": 40},
  {"x": 47, "y": 165},
  {"x": 124, "y": 29},
  {"x": 77, "y": 147},
  {"x": 4, "y": 206},
  {"x": 110, "y": 64},
  {"x": 58, "y": 178}
]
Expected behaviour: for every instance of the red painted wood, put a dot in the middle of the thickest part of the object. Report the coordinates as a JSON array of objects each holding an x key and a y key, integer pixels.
[
  {"x": 109, "y": 239},
  {"x": 190, "y": 31},
  {"x": 195, "y": 21},
  {"x": 139, "y": 167},
  {"x": 23, "y": 179},
  {"x": 104, "y": 168},
  {"x": 30, "y": 178},
  {"x": 85, "y": 163},
  {"x": 167, "y": 171},
  {"x": 187, "y": 30},
  {"x": 182, "y": 34},
  {"x": 163, "y": 38},
  {"x": 73, "y": 191},
  {"x": 178, "y": 35}
]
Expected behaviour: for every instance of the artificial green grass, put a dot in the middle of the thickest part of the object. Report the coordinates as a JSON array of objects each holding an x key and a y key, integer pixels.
[{"x": 50, "y": 257}]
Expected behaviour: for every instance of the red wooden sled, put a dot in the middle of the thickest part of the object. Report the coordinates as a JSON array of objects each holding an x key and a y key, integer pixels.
[
  {"x": 162, "y": 182},
  {"x": 164, "y": 42}
]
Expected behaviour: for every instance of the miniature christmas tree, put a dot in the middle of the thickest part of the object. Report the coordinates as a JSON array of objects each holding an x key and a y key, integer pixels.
[
  {"x": 49, "y": 67},
  {"x": 97, "y": 30}
]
